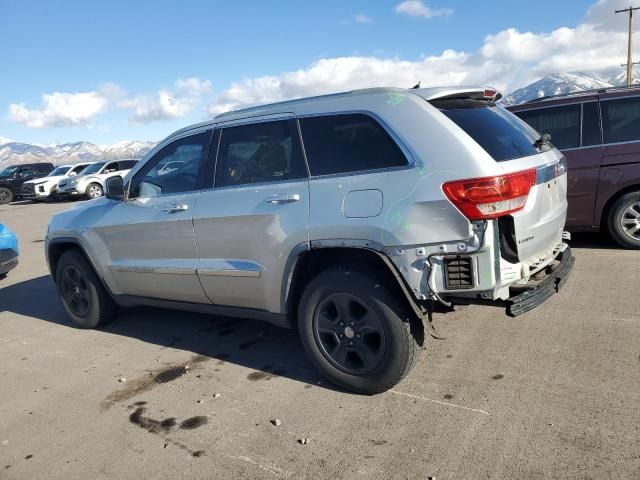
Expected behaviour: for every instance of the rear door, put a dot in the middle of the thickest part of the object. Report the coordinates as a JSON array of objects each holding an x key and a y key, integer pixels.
[
  {"x": 257, "y": 213},
  {"x": 575, "y": 130},
  {"x": 149, "y": 237}
]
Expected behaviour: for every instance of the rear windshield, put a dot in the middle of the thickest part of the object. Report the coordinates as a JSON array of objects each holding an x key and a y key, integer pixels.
[{"x": 502, "y": 135}]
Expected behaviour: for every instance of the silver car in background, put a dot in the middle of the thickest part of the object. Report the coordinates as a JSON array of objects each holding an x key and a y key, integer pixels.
[{"x": 346, "y": 216}]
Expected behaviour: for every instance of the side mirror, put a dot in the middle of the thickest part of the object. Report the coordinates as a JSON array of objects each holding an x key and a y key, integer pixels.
[
  {"x": 73, "y": 174},
  {"x": 115, "y": 188}
]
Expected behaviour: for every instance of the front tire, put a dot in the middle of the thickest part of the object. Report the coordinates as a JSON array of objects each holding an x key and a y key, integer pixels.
[
  {"x": 624, "y": 221},
  {"x": 356, "y": 331},
  {"x": 94, "y": 190},
  {"x": 82, "y": 294},
  {"x": 6, "y": 196}
]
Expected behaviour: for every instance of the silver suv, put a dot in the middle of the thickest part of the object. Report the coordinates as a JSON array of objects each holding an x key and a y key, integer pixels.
[{"x": 346, "y": 216}]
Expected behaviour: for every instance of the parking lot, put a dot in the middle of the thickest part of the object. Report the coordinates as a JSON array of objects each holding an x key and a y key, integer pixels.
[{"x": 554, "y": 393}]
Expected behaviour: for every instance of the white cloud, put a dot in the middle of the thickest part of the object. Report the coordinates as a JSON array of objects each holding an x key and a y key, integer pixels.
[
  {"x": 165, "y": 104},
  {"x": 60, "y": 110},
  {"x": 415, "y": 8},
  {"x": 507, "y": 60},
  {"x": 362, "y": 18}
]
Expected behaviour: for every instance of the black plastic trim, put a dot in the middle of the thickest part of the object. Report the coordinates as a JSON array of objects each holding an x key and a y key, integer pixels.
[
  {"x": 551, "y": 285},
  {"x": 276, "y": 319}
]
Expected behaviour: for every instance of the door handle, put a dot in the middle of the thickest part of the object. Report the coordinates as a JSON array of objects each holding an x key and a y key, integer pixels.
[
  {"x": 176, "y": 208},
  {"x": 283, "y": 198}
]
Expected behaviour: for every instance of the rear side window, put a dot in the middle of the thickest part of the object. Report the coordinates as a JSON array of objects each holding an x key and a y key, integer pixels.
[
  {"x": 500, "y": 133},
  {"x": 621, "y": 120},
  {"x": 591, "y": 134},
  {"x": 258, "y": 153},
  {"x": 562, "y": 123},
  {"x": 348, "y": 143},
  {"x": 127, "y": 164}
]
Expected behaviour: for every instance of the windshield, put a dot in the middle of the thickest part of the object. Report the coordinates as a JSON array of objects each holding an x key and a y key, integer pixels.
[
  {"x": 500, "y": 133},
  {"x": 8, "y": 171},
  {"x": 92, "y": 168},
  {"x": 59, "y": 171}
]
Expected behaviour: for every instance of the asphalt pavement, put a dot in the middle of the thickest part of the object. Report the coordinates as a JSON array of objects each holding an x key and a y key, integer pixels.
[{"x": 159, "y": 394}]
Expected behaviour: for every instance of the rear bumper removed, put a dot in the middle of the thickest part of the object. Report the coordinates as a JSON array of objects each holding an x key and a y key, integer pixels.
[
  {"x": 536, "y": 295},
  {"x": 529, "y": 296}
]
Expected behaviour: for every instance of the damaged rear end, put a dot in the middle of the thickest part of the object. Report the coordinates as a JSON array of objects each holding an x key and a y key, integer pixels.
[{"x": 516, "y": 256}]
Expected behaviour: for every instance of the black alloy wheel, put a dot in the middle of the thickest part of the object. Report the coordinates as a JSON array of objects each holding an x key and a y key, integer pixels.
[
  {"x": 75, "y": 291},
  {"x": 349, "y": 333}
]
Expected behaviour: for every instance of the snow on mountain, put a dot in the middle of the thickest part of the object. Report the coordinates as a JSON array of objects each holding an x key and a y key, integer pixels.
[
  {"x": 4, "y": 140},
  {"x": 563, "y": 83},
  {"x": 62, "y": 153}
]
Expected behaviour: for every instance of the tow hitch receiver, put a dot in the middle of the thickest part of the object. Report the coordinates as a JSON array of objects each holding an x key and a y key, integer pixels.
[{"x": 552, "y": 284}]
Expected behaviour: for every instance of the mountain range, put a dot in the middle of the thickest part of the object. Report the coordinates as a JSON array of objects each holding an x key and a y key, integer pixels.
[
  {"x": 12, "y": 152},
  {"x": 64, "y": 153},
  {"x": 563, "y": 83}
]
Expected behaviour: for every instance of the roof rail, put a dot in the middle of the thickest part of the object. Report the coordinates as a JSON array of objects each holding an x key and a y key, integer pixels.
[{"x": 585, "y": 92}]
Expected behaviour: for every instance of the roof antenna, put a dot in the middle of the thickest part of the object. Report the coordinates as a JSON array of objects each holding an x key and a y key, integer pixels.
[{"x": 417, "y": 85}]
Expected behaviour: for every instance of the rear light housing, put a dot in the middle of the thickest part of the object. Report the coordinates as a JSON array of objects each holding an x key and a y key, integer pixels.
[{"x": 491, "y": 197}]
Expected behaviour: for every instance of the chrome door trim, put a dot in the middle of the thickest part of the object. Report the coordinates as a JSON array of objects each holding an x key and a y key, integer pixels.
[{"x": 221, "y": 267}]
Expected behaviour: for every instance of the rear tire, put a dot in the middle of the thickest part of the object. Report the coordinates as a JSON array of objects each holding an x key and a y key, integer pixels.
[
  {"x": 624, "y": 220},
  {"x": 356, "y": 331},
  {"x": 83, "y": 296},
  {"x": 6, "y": 196}
]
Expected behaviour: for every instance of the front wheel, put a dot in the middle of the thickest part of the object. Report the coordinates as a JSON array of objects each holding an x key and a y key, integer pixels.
[
  {"x": 82, "y": 294},
  {"x": 6, "y": 196},
  {"x": 94, "y": 190},
  {"x": 624, "y": 221},
  {"x": 356, "y": 331}
]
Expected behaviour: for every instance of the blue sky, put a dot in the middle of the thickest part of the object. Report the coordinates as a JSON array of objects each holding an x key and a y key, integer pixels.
[{"x": 124, "y": 54}]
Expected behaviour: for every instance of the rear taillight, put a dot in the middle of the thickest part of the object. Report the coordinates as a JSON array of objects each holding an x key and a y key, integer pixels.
[{"x": 491, "y": 197}]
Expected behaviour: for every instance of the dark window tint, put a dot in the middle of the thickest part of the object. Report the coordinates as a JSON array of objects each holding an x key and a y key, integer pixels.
[
  {"x": 348, "y": 143},
  {"x": 500, "y": 133},
  {"x": 44, "y": 167},
  {"x": 259, "y": 152},
  {"x": 174, "y": 169},
  {"x": 27, "y": 172},
  {"x": 562, "y": 123},
  {"x": 621, "y": 120},
  {"x": 111, "y": 167},
  {"x": 127, "y": 164},
  {"x": 590, "y": 124}
]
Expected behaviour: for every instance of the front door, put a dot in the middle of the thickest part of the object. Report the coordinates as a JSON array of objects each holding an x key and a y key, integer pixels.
[
  {"x": 149, "y": 236},
  {"x": 255, "y": 215}
]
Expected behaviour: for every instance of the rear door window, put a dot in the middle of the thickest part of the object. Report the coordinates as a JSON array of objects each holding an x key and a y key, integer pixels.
[
  {"x": 259, "y": 153},
  {"x": 127, "y": 164},
  {"x": 621, "y": 120},
  {"x": 562, "y": 123},
  {"x": 348, "y": 143}
]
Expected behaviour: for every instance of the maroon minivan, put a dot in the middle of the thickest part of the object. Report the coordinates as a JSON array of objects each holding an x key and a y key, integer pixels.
[{"x": 599, "y": 133}]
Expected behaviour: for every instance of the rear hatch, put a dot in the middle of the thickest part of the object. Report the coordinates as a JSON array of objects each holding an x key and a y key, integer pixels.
[{"x": 529, "y": 198}]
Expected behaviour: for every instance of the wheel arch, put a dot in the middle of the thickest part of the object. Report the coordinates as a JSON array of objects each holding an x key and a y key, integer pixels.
[
  {"x": 308, "y": 263},
  {"x": 58, "y": 246}
]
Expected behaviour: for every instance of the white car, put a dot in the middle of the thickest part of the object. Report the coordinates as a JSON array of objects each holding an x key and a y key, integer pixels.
[
  {"x": 92, "y": 180},
  {"x": 46, "y": 187}
]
